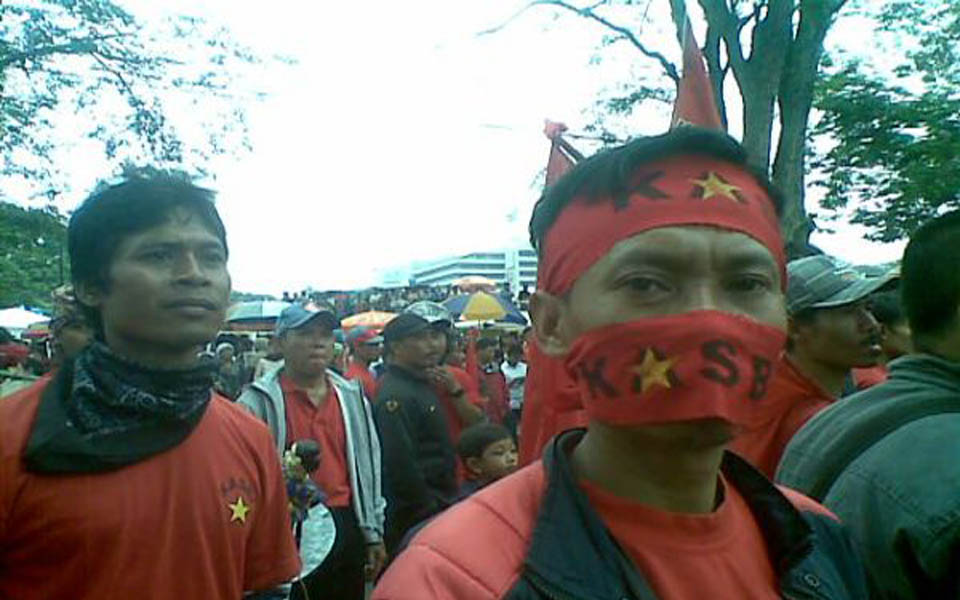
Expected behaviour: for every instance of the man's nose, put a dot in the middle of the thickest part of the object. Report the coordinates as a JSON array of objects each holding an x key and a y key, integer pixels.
[{"x": 190, "y": 271}]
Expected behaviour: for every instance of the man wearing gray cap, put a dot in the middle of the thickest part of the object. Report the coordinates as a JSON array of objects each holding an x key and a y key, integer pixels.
[
  {"x": 306, "y": 400},
  {"x": 830, "y": 331}
]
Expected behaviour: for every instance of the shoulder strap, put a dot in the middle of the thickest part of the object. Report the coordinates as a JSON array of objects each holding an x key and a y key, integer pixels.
[{"x": 867, "y": 433}]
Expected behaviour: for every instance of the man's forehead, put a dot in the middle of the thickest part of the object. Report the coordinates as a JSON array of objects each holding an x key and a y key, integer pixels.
[
  {"x": 680, "y": 244},
  {"x": 178, "y": 228}
]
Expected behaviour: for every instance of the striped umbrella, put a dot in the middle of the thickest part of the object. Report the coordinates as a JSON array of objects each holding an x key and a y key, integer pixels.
[
  {"x": 374, "y": 319},
  {"x": 481, "y": 306}
]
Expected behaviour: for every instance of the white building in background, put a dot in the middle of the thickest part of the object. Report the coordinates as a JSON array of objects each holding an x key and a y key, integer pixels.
[{"x": 512, "y": 268}]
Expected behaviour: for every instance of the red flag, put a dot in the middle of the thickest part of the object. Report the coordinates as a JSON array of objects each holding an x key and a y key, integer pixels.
[
  {"x": 695, "y": 104},
  {"x": 562, "y": 155}
]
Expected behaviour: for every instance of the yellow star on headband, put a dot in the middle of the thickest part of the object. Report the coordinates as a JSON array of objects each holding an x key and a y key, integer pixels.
[
  {"x": 653, "y": 371},
  {"x": 714, "y": 185},
  {"x": 239, "y": 510}
]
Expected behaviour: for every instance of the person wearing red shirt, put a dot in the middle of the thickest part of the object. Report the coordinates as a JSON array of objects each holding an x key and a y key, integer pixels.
[
  {"x": 660, "y": 289},
  {"x": 306, "y": 400},
  {"x": 365, "y": 348},
  {"x": 124, "y": 475},
  {"x": 493, "y": 381},
  {"x": 830, "y": 331}
]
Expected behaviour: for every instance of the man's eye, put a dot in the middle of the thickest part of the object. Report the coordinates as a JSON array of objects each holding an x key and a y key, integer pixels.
[
  {"x": 645, "y": 285},
  {"x": 158, "y": 255},
  {"x": 214, "y": 258},
  {"x": 750, "y": 284}
]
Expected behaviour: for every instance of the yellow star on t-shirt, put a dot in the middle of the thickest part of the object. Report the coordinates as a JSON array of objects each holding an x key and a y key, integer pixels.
[
  {"x": 714, "y": 185},
  {"x": 653, "y": 371},
  {"x": 240, "y": 510}
]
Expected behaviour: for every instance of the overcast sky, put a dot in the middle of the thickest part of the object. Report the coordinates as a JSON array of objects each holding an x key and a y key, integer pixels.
[{"x": 400, "y": 134}]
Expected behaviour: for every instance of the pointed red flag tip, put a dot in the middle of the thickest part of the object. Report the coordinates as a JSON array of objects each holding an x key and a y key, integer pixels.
[
  {"x": 552, "y": 129},
  {"x": 695, "y": 104}
]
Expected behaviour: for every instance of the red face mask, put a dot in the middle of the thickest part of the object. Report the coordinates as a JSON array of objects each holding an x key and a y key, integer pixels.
[{"x": 698, "y": 365}]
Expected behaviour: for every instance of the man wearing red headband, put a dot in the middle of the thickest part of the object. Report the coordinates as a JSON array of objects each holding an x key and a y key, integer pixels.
[{"x": 661, "y": 293}]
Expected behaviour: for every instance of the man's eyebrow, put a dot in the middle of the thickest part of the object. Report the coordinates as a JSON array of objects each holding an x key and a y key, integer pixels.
[
  {"x": 658, "y": 255},
  {"x": 750, "y": 258}
]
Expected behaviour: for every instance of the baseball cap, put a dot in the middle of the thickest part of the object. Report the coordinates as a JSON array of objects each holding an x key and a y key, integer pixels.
[
  {"x": 404, "y": 325},
  {"x": 823, "y": 282},
  {"x": 434, "y": 313},
  {"x": 359, "y": 336},
  {"x": 295, "y": 316}
]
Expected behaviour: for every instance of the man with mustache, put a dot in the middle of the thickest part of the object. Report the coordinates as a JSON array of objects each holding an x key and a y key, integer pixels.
[
  {"x": 660, "y": 289},
  {"x": 125, "y": 475},
  {"x": 830, "y": 332}
]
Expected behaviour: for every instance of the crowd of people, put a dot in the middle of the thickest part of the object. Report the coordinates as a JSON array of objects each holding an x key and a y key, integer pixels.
[{"x": 690, "y": 415}]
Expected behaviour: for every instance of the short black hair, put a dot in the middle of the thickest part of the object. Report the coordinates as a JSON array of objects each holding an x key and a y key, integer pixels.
[
  {"x": 476, "y": 438},
  {"x": 887, "y": 309},
  {"x": 930, "y": 276},
  {"x": 115, "y": 212},
  {"x": 484, "y": 343},
  {"x": 607, "y": 174}
]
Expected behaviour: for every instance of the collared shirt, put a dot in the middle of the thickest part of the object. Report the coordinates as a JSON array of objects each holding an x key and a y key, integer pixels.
[{"x": 322, "y": 423}]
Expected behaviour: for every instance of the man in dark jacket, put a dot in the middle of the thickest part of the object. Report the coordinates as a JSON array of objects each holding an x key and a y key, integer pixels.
[
  {"x": 661, "y": 274},
  {"x": 418, "y": 454},
  {"x": 885, "y": 459}
]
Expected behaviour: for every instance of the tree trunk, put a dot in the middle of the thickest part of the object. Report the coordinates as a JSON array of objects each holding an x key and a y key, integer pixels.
[{"x": 795, "y": 99}]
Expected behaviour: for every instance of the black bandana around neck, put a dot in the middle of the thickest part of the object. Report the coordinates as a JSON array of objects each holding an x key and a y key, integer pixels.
[{"x": 102, "y": 412}]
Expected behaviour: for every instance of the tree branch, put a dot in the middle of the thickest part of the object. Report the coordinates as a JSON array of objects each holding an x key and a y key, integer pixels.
[
  {"x": 118, "y": 75},
  {"x": 78, "y": 46},
  {"x": 588, "y": 13}
]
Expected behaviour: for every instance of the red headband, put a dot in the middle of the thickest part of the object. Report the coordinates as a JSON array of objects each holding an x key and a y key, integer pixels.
[{"x": 681, "y": 190}]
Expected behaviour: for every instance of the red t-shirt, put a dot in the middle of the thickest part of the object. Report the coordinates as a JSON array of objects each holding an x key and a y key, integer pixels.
[
  {"x": 869, "y": 376},
  {"x": 324, "y": 424},
  {"x": 454, "y": 422},
  {"x": 358, "y": 370},
  {"x": 205, "y": 519},
  {"x": 792, "y": 398},
  {"x": 684, "y": 556},
  {"x": 498, "y": 403}
]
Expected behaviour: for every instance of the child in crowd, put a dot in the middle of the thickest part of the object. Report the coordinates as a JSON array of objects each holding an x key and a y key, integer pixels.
[{"x": 489, "y": 453}]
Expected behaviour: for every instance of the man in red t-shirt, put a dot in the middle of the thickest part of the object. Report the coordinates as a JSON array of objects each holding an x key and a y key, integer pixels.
[
  {"x": 493, "y": 381},
  {"x": 365, "y": 348},
  {"x": 124, "y": 475},
  {"x": 831, "y": 331},
  {"x": 306, "y": 400},
  {"x": 661, "y": 273}
]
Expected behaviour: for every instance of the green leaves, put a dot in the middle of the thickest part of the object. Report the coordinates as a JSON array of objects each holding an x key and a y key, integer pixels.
[
  {"x": 894, "y": 141},
  {"x": 92, "y": 64},
  {"x": 33, "y": 254}
]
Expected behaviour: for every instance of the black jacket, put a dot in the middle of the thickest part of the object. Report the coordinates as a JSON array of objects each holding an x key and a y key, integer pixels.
[
  {"x": 419, "y": 463},
  {"x": 811, "y": 553}
]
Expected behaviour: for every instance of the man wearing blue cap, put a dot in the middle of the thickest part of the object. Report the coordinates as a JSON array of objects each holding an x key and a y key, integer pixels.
[{"x": 306, "y": 400}]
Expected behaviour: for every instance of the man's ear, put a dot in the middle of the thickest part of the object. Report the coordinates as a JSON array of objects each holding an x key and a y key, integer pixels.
[
  {"x": 548, "y": 314},
  {"x": 473, "y": 465},
  {"x": 89, "y": 295}
]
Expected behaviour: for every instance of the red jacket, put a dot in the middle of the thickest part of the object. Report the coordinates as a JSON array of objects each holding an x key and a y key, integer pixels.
[{"x": 533, "y": 536}]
